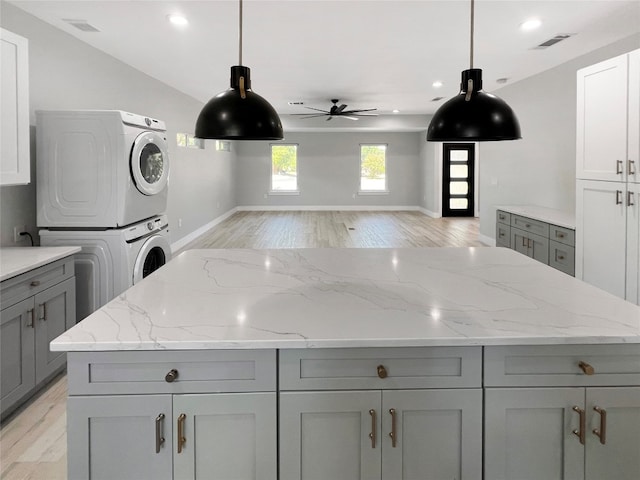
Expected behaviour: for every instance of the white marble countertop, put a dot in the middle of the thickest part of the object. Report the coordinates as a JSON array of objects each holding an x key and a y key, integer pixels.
[
  {"x": 306, "y": 298},
  {"x": 544, "y": 214},
  {"x": 17, "y": 260}
]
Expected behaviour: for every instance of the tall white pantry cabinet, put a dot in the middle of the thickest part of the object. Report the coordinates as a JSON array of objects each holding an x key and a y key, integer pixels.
[{"x": 608, "y": 177}]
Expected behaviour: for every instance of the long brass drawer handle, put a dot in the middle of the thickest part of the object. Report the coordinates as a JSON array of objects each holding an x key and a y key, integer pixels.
[
  {"x": 586, "y": 368},
  {"x": 181, "y": 439},
  {"x": 382, "y": 372},
  {"x": 159, "y": 434},
  {"x": 601, "y": 432},
  {"x": 374, "y": 424},
  {"x": 580, "y": 432},
  {"x": 171, "y": 376},
  {"x": 30, "y": 321},
  {"x": 392, "y": 434}
]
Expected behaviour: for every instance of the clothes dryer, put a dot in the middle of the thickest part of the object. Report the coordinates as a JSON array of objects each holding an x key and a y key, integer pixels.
[
  {"x": 112, "y": 260},
  {"x": 99, "y": 168}
]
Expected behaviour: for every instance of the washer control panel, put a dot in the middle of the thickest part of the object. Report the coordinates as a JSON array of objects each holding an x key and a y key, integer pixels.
[{"x": 144, "y": 229}]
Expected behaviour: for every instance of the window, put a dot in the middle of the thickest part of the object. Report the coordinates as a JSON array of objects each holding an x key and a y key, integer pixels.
[
  {"x": 373, "y": 168},
  {"x": 188, "y": 140},
  {"x": 284, "y": 168},
  {"x": 223, "y": 145}
]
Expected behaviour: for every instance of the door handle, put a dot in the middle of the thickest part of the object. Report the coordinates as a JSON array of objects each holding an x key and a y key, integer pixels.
[
  {"x": 374, "y": 425},
  {"x": 631, "y": 168},
  {"x": 618, "y": 197},
  {"x": 30, "y": 321},
  {"x": 630, "y": 202},
  {"x": 392, "y": 434},
  {"x": 601, "y": 432},
  {"x": 181, "y": 439},
  {"x": 43, "y": 309},
  {"x": 159, "y": 434},
  {"x": 580, "y": 431},
  {"x": 618, "y": 167}
]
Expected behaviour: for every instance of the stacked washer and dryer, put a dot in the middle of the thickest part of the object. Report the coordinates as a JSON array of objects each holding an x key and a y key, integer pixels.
[{"x": 102, "y": 185}]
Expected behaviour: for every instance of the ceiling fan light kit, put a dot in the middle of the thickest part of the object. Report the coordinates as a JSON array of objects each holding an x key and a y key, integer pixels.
[
  {"x": 473, "y": 115},
  {"x": 238, "y": 113}
]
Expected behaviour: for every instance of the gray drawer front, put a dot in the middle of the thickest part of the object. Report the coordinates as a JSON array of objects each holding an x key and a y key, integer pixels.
[
  {"x": 503, "y": 235},
  {"x": 503, "y": 217},
  {"x": 562, "y": 235},
  {"x": 35, "y": 281},
  {"x": 530, "y": 225},
  {"x": 562, "y": 257},
  {"x": 357, "y": 368},
  {"x": 559, "y": 365},
  {"x": 208, "y": 371}
]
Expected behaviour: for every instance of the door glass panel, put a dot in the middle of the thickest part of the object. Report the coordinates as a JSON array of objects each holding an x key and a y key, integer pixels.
[
  {"x": 458, "y": 203},
  {"x": 155, "y": 259},
  {"x": 151, "y": 164},
  {"x": 458, "y": 188},
  {"x": 459, "y": 155},
  {"x": 458, "y": 171}
]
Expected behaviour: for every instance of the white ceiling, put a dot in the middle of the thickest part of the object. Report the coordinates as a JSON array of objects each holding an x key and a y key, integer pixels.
[{"x": 381, "y": 54}]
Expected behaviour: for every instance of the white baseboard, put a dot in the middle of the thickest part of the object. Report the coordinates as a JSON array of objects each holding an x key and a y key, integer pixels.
[
  {"x": 490, "y": 242},
  {"x": 333, "y": 208},
  {"x": 177, "y": 245},
  {"x": 429, "y": 213}
]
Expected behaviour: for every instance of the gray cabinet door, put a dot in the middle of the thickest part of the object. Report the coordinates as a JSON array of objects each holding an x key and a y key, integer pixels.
[
  {"x": 226, "y": 436},
  {"x": 618, "y": 456},
  {"x": 16, "y": 352},
  {"x": 117, "y": 437},
  {"x": 55, "y": 311},
  {"x": 438, "y": 434},
  {"x": 330, "y": 435},
  {"x": 529, "y": 434}
]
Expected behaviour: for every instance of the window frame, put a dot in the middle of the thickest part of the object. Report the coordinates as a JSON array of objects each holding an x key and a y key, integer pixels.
[
  {"x": 272, "y": 191},
  {"x": 385, "y": 191}
]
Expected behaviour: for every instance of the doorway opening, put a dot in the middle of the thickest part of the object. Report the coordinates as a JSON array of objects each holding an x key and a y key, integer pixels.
[{"x": 458, "y": 187}]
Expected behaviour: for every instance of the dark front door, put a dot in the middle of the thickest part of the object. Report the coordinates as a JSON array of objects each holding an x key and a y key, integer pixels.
[{"x": 457, "y": 179}]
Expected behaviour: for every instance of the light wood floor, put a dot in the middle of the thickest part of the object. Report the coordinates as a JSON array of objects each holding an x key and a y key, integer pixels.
[{"x": 33, "y": 440}]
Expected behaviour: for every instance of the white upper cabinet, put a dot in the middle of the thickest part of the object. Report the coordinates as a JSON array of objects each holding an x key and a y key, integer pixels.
[
  {"x": 14, "y": 102},
  {"x": 604, "y": 134},
  {"x": 634, "y": 117}
]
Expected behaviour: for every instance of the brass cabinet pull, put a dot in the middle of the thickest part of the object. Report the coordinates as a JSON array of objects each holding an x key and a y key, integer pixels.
[
  {"x": 159, "y": 434},
  {"x": 559, "y": 234},
  {"x": 501, "y": 217},
  {"x": 630, "y": 199},
  {"x": 586, "y": 368},
  {"x": 528, "y": 225},
  {"x": 618, "y": 197},
  {"x": 392, "y": 411},
  {"x": 524, "y": 244},
  {"x": 601, "y": 432},
  {"x": 30, "y": 321},
  {"x": 374, "y": 424},
  {"x": 618, "y": 167},
  {"x": 43, "y": 309},
  {"x": 181, "y": 439},
  {"x": 580, "y": 432},
  {"x": 631, "y": 170},
  {"x": 171, "y": 376},
  {"x": 501, "y": 234},
  {"x": 382, "y": 372},
  {"x": 35, "y": 283},
  {"x": 560, "y": 257}
]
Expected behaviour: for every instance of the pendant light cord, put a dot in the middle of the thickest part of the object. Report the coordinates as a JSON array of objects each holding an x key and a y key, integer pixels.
[
  {"x": 240, "y": 39},
  {"x": 471, "y": 47}
]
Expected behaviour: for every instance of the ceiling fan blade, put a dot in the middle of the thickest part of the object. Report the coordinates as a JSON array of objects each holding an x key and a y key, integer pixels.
[
  {"x": 361, "y": 110},
  {"x": 341, "y": 108},
  {"x": 364, "y": 114},
  {"x": 330, "y": 117},
  {"x": 317, "y": 109},
  {"x": 310, "y": 116}
]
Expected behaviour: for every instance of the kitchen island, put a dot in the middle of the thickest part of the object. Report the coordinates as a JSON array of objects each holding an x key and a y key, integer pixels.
[{"x": 356, "y": 363}]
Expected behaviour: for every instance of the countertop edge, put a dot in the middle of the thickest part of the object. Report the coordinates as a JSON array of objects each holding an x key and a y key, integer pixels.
[{"x": 57, "y": 253}]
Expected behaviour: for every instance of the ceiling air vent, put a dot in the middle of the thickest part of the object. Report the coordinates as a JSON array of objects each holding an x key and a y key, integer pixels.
[
  {"x": 554, "y": 40},
  {"x": 81, "y": 25}
]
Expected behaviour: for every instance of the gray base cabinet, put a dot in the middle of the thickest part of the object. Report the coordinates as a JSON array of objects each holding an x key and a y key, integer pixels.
[{"x": 38, "y": 306}]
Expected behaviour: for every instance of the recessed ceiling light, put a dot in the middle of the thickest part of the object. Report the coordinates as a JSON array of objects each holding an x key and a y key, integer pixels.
[
  {"x": 178, "y": 19},
  {"x": 396, "y": 111},
  {"x": 437, "y": 84},
  {"x": 530, "y": 24}
]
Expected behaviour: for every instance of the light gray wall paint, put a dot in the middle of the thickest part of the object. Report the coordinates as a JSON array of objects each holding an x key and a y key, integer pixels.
[
  {"x": 540, "y": 168},
  {"x": 428, "y": 180},
  {"x": 68, "y": 74},
  {"x": 328, "y": 170}
]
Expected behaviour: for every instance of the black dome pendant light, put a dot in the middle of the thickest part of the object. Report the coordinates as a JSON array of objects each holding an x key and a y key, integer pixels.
[
  {"x": 238, "y": 113},
  {"x": 473, "y": 115}
]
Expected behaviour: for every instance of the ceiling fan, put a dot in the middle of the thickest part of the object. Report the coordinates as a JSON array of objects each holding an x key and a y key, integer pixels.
[{"x": 339, "y": 111}]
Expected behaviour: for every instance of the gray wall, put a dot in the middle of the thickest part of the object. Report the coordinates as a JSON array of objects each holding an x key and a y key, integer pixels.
[
  {"x": 540, "y": 168},
  {"x": 328, "y": 171},
  {"x": 68, "y": 74}
]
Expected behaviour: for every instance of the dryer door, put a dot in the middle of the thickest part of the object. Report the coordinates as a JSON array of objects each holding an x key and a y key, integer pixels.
[
  {"x": 155, "y": 252},
  {"x": 150, "y": 163}
]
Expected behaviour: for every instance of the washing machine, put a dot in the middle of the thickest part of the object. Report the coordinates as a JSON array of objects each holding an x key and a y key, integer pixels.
[
  {"x": 99, "y": 168},
  {"x": 112, "y": 260}
]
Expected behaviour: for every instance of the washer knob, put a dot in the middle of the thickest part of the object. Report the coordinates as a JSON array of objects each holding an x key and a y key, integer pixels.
[{"x": 150, "y": 225}]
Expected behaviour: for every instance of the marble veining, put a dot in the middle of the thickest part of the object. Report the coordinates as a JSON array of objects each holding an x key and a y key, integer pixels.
[
  {"x": 306, "y": 298},
  {"x": 544, "y": 214},
  {"x": 17, "y": 260}
]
